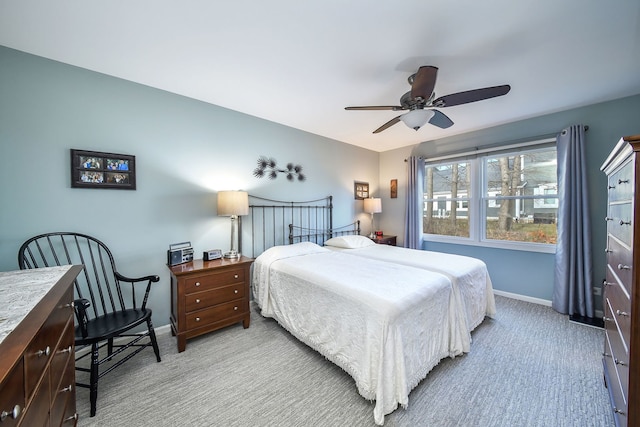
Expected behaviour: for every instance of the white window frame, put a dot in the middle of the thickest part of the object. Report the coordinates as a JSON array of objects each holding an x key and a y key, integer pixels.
[{"x": 477, "y": 201}]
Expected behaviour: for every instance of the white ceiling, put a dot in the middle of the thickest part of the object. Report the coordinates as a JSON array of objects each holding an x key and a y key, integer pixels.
[{"x": 300, "y": 62}]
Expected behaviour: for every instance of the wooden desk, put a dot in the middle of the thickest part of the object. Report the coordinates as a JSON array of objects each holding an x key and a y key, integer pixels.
[{"x": 208, "y": 295}]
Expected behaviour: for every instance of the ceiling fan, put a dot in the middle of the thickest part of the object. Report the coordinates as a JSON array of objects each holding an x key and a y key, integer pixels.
[{"x": 421, "y": 103}]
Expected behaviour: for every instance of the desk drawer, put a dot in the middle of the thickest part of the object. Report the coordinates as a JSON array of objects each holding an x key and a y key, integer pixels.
[
  {"x": 216, "y": 313},
  {"x": 214, "y": 280}
]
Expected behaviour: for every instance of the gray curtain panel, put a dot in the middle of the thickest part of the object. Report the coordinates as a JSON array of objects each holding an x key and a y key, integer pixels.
[
  {"x": 572, "y": 292},
  {"x": 414, "y": 211}
]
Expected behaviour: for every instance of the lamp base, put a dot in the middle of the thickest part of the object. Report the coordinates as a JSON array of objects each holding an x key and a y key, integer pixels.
[{"x": 232, "y": 255}]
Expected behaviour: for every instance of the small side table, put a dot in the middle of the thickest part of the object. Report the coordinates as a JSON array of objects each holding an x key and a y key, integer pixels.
[
  {"x": 208, "y": 295},
  {"x": 385, "y": 240}
]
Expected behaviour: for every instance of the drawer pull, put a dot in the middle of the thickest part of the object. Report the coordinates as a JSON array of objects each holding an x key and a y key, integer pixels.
[
  {"x": 235, "y": 276},
  {"x": 71, "y": 304},
  {"x": 622, "y": 313},
  {"x": 605, "y": 354},
  {"x": 72, "y": 417},
  {"x": 624, "y": 267},
  {"x": 235, "y": 308},
  {"x": 45, "y": 352},
  {"x": 235, "y": 291},
  {"x": 608, "y": 218},
  {"x": 197, "y": 319},
  {"x": 197, "y": 284},
  {"x": 607, "y": 319},
  {"x": 15, "y": 413},
  {"x": 66, "y": 350},
  {"x": 67, "y": 388},
  {"x": 623, "y": 181},
  {"x": 625, "y": 222},
  {"x": 619, "y": 362},
  {"x": 618, "y": 411},
  {"x": 197, "y": 300},
  {"x": 605, "y": 283},
  {"x": 608, "y": 251},
  {"x": 611, "y": 187}
]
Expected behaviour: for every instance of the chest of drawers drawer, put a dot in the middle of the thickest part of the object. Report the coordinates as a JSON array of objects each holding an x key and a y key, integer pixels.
[
  {"x": 620, "y": 183},
  {"x": 12, "y": 396}
]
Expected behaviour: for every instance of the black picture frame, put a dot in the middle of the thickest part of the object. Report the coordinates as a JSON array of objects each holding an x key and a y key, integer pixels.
[
  {"x": 360, "y": 190},
  {"x": 95, "y": 169}
]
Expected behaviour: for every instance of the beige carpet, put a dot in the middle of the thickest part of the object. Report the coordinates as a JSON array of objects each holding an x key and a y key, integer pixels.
[{"x": 527, "y": 367}]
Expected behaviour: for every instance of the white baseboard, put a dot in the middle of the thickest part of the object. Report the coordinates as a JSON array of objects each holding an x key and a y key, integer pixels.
[{"x": 523, "y": 298}]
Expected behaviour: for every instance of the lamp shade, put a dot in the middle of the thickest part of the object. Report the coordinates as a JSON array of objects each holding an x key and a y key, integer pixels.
[
  {"x": 373, "y": 205},
  {"x": 415, "y": 119},
  {"x": 233, "y": 203}
]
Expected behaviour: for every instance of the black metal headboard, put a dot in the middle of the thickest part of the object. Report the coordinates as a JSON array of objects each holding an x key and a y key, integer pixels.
[
  {"x": 321, "y": 235},
  {"x": 269, "y": 220}
]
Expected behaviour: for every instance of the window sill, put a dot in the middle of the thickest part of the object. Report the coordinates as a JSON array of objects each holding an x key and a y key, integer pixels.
[{"x": 498, "y": 244}]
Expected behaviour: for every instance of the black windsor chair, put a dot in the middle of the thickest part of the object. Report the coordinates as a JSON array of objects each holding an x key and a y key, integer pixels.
[{"x": 109, "y": 312}]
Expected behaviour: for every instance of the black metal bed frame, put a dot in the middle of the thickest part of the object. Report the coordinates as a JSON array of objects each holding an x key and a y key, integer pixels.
[{"x": 278, "y": 222}]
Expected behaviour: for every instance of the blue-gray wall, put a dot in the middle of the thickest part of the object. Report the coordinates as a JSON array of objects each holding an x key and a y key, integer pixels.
[
  {"x": 185, "y": 151},
  {"x": 519, "y": 272},
  {"x": 188, "y": 150}
]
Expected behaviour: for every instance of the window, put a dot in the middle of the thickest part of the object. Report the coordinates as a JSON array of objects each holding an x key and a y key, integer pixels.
[{"x": 500, "y": 198}]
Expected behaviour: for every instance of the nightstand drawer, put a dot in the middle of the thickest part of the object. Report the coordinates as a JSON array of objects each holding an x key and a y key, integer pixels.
[
  {"x": 216, "y": 313},
  {"x": 213, "y": 280},
  {"x": 200, "y": 300}
]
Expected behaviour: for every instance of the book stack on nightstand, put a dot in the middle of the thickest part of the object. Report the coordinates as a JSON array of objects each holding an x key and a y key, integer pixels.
[{"x": 385, "y": 240}]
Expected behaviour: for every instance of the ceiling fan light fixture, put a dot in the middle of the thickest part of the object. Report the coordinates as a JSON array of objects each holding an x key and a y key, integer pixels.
[{"x": 415, "y": 119}]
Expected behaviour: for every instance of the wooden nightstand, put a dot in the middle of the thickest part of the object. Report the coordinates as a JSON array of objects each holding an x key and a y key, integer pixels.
[
  {"x": 385, "y": 240},
  {"x": 208, "y": 295}
]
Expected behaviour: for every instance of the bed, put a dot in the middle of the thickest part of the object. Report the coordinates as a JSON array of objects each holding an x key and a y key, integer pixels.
[
  {"x": 469, "y": 276},
  {"x": 387, "y": 324}
]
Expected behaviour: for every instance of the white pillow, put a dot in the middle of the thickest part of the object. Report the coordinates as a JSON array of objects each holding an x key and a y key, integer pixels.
[{"x": 350, "y": 242}]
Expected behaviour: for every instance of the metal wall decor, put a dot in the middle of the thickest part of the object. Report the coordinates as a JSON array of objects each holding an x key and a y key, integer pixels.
[{"x": 269, "y": 168}]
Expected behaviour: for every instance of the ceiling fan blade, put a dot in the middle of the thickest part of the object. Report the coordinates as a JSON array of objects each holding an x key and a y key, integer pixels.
[
  {"x": 387, "y": 125},
  {"x": 440, "y": 120},
  {"x": 377, "y": 107},
  {"x": 471, "y": 96},
  {"x": 424, "y": 82}
]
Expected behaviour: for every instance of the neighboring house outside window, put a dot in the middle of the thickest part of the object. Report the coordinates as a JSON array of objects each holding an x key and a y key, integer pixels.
[{"x": 505, "y": 198}]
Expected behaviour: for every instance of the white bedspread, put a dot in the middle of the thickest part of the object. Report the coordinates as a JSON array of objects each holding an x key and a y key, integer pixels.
[
  {"x": 385, "y": 324},
  {"x": 469, "y": 276}
]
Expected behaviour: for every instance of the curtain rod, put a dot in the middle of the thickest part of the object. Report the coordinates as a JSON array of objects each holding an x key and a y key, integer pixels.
[{"x": 476, "y": 150}]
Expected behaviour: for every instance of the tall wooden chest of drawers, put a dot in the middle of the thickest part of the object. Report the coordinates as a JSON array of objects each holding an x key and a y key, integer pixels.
[
  {"x": 621, "y": 303},
  {"x": 37, "y": 362},
  {"x": 208, "y": 295}
]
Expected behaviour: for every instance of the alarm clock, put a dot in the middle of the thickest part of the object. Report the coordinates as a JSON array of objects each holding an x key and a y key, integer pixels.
[{"x": 212, "y": 254}]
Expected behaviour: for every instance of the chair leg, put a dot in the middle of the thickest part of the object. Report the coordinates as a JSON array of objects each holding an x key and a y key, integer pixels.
[
  {"x": 154, "y": 342},
  {"x": 110, "y": 346},
  {"x": 93, "y": 379}
]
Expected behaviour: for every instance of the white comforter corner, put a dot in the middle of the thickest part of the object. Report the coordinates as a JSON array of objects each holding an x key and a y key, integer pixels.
[
  {"x": 385, "y": 324},
  {"x": 469, "y": 276}
]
